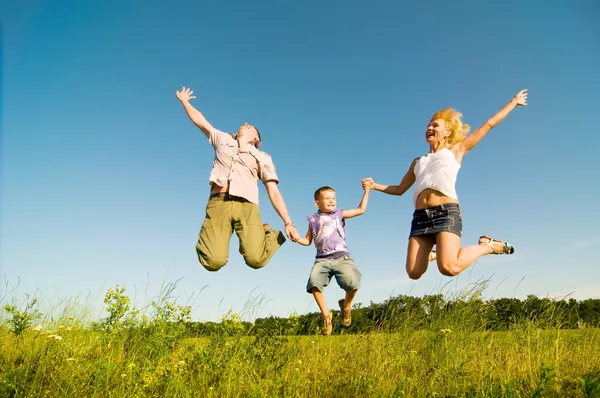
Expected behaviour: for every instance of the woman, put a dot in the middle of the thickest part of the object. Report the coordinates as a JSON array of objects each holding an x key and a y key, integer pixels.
[{"x": 437, "y": 219}]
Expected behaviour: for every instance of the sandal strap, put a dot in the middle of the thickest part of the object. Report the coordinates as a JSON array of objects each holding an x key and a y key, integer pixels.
[{"x": 507, "y": 248}]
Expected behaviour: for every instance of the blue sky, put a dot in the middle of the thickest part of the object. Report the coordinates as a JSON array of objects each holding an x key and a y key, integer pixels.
[{"x": 104, "y": 179}]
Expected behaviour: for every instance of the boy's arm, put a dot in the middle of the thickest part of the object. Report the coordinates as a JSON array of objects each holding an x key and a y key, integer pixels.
[
  {"x": 361, "y": 207},
  {"x": 307, "y": 240}
]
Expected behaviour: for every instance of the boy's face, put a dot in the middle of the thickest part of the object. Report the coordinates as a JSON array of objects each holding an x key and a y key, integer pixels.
[{"x": 326, "y": 202}]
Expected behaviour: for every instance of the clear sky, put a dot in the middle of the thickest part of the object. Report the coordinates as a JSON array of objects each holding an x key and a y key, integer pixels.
[{"x": 104, "y": 180}]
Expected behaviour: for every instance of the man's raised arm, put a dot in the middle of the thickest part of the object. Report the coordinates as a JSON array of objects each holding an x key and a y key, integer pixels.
[{"x": 185, "y": 95}]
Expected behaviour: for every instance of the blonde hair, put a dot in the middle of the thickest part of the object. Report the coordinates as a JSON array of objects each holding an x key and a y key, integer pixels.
[{"x": 453, "y": 122}]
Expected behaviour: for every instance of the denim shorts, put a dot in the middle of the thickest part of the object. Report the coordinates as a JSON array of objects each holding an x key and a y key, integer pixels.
[
  {"x": 343, "y": 268},
  {"x": 432, "y": 220}
]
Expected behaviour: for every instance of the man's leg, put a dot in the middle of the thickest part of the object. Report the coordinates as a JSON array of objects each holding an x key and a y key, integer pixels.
[
  {"x": 257, "y": 244},
  {"x": 213, "y": 240}
]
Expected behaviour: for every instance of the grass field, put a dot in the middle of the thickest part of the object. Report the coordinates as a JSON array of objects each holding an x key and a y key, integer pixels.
[{"x": 128, "y": 355}]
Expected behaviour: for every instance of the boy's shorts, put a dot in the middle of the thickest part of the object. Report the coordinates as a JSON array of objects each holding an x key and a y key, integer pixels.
[{"x": 343, "y": 268}]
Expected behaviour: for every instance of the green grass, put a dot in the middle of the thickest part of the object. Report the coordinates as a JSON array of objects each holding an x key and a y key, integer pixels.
[
  {"x": 525, "y": 362},
  {"x": 148, "y": 353}
]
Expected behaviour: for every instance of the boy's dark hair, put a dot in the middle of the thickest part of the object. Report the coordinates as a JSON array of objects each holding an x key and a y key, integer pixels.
[{"x": 322, "y": 189}]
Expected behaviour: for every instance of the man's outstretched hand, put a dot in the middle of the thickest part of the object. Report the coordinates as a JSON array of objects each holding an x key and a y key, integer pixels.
[{"x": 185, "y": 94}]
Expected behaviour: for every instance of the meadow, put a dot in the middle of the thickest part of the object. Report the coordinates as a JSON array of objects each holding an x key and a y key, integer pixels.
[{"x": 158, "y": 351}]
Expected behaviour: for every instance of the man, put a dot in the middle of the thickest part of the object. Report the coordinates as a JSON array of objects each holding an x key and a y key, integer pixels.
[{"x": 233, "y": 202}]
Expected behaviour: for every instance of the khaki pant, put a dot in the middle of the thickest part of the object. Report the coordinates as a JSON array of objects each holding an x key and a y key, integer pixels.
[{"x": 224, "y": 214}]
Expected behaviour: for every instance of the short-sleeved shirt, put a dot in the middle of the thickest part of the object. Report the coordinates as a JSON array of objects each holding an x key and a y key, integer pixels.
[
  {"x": 329, "y": 233},
  {"x": 240, "y": 169}
]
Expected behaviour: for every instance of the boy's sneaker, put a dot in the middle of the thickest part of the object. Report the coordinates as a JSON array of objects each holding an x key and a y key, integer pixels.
[
  {"x": 327, "y": 326},
  {"x": 346, "y": 315}
]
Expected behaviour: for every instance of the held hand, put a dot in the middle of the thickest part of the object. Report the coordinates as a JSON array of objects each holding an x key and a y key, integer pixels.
[
  {"x": 521, "y": 98},
  {"x": 291, "y": 233},
  {"x": 185, "y": 94},
  {"x": 367, "y": 183}
]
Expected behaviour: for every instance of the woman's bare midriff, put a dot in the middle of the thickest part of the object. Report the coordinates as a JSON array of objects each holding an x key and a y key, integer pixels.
[
  {"x": 431, "y": 197},
  {"x": 214, "y": 188}
]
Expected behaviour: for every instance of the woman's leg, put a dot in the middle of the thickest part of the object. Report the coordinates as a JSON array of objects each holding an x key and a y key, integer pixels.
[
  {"x": 417, "y": 255},
  {"x": 452, "y": 259}
]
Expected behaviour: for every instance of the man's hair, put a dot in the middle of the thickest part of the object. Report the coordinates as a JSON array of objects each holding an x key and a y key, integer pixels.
[
  {"x": 322, "y": 189},
  {"x": 258, "y": 133}
]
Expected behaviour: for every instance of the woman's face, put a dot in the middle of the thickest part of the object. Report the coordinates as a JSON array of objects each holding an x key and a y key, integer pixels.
[{"x": 436, "y": 131}]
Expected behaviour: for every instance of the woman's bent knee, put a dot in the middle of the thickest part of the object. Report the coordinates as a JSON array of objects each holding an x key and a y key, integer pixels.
[
  {"x": 414, "y": 274},
  {"x": 449, "y": 269}
]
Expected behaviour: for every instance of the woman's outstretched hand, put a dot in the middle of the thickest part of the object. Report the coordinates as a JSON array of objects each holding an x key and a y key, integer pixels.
[{"x": 521, "y": 98}]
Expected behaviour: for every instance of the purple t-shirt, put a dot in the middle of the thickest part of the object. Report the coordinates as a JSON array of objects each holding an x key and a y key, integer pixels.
[{"x": 329, "y": 233}]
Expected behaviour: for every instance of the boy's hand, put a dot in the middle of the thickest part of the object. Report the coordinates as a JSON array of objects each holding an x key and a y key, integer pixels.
[{"x": 367, "y": 183}]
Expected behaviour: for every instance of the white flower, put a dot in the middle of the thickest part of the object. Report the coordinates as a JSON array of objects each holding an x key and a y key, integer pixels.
[{"x": 37, "y": 328}]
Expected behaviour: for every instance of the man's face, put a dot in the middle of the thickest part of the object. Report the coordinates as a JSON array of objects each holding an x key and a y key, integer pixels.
[{"x": 248, "y": 132}]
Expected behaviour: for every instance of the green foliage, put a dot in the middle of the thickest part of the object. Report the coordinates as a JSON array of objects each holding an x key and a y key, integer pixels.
[
  {"x": 22, "y": 316},
  {"x": 404, "y": 347}
]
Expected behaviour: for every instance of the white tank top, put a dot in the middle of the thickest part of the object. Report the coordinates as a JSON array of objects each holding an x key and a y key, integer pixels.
[{"x": 437, "y": 171}]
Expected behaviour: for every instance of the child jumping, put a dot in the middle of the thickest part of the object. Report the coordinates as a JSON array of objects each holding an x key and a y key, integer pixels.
[{"x": 327, "y": 228}]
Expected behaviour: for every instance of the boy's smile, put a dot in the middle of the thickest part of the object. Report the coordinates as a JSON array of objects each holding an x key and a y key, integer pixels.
[{"x": 326, "y": 202}]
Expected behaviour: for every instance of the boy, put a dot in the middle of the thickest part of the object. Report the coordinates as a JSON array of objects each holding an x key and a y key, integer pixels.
[{"x": 327, "y": 228}]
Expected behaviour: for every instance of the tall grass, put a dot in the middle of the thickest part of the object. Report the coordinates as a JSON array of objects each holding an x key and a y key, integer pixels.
[{"x": 145, "y": 353}]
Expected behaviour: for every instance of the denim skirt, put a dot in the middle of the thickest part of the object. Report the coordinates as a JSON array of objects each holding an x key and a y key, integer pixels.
[{"x": 432, "y": 220}]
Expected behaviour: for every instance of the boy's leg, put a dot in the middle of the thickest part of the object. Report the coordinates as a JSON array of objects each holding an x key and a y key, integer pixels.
[
  {"x": 320, "y": 299},
  {"x": 320, "y": 276},
  {"x": 213, "y": 240},
  {"x": 257, "y": 244},
  {"x": 348, "y": 299},
  {"x": 348, "y": 278}
]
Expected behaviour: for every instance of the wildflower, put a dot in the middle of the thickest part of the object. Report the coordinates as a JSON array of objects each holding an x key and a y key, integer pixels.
[
  {"x": 69, "y": 328},
  {"x": 55, "y": 337},
  {"x": 37, "y": 328},
  {"x": 70, "y": 359},
  {"x": 445, "y": 331},
  {"x": 70, "y": 318}
]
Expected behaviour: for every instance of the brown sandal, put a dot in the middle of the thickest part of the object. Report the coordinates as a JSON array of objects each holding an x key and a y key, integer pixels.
[
  {"x": 327, "y": 326},
  {"x": 346, "y": 315},
  {"x": 507, "y": 248}
]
